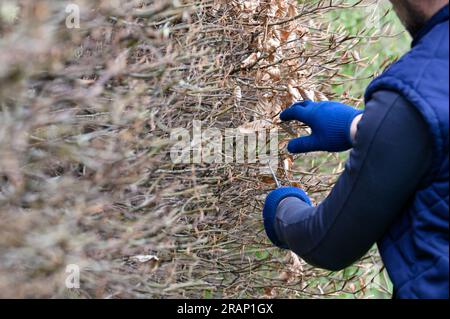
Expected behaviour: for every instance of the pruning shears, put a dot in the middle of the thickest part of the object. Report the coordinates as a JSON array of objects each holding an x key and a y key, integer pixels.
[{"x": 275, "y": 177}]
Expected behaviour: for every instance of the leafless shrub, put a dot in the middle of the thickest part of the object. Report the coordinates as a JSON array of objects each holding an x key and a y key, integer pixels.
[{"x": 85, "y": 174}]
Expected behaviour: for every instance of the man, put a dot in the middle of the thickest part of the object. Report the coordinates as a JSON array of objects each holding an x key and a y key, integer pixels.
[{"x": 395, "y": 187}]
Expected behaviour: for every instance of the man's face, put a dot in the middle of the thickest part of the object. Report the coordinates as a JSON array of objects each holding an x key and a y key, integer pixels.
[
  {"x": 411, "y": 14},
  {"x": 415, "y": 13}
]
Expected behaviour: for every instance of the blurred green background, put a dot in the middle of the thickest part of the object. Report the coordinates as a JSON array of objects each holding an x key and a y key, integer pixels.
[{"x": 383, "y": 41}]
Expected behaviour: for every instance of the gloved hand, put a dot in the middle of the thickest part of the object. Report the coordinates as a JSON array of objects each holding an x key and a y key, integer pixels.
[
  {"x": 270, "y": 210},
  {"x": 330, "y": 123}
]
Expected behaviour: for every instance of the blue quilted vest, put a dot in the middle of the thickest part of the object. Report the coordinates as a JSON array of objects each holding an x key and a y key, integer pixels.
[{"x": 415, "y": 249}]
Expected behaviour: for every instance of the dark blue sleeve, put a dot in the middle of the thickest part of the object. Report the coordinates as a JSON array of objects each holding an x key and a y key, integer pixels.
[{"x": 391, "y": 155}]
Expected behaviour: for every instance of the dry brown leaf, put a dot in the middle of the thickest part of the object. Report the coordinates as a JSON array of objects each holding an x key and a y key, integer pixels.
[
  {"x": 144, "y": 258},
  {"x": 250, "y": 6},
  {"x": 295, "y": 93},
  {"x": 272, "y": 44},
  {"x": 275, "y": 73},
  {"x": 320, "y": 96},
  {"x": 252, "y": 127},
  {"x": 307, "y": 94},
  {"x": 237, "y": 95},
  {"x": 250, "y": 60}
]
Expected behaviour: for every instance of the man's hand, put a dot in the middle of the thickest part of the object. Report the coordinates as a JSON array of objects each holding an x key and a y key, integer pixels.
[
  {"x": 330, "y": 122},
  {"x": 270, "y": 210}
]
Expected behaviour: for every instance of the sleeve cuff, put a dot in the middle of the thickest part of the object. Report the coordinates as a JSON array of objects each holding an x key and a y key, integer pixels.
[
  {"x": 339, "y": 138},
  {"x": 270, "y": 210},
  {"x": 349, "y": 134}
]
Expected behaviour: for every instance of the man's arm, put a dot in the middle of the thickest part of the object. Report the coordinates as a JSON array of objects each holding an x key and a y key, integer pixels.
[{"x": 391, "y": 155}]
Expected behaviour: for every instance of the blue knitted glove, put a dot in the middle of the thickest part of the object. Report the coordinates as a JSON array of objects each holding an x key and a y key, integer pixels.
[
  {"x": 270, "y": 210},
  {"x": 330, "y": 123}
]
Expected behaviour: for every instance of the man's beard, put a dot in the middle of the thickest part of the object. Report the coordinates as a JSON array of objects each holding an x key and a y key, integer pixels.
[{"x": 416, "y": 18}]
